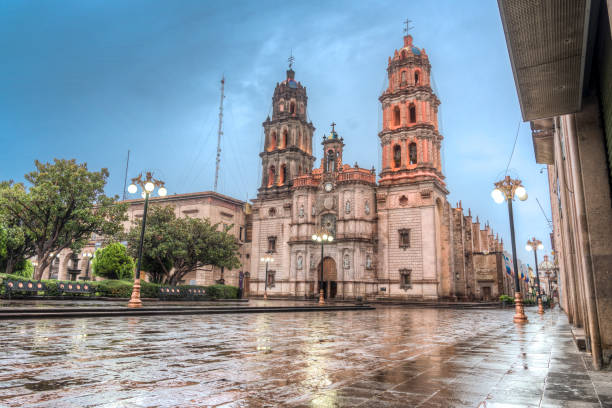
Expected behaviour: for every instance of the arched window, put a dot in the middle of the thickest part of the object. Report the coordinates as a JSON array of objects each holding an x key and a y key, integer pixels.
[
  {"x": 272, "y": 145},
  {"x": 292, "y": 108},
  {"x": 403, "y": 54},
  {"x": 397, "y": 156},
  {"x": 284, "y": 141},
  {"x": 271, "y": 176},
  {"x": 300, "y": 170},
  {"x": 396, "y": 116},
  {"x": 412, "y": 152},
  {"x": 416, "y": 77},
  {"x": 281, "y": 105},
  {"x": 412, "y": 113},
  {"x": 330, "y": 163},
  {"x": 403, "y": 78},
  {"x": 283, "y": 175}
]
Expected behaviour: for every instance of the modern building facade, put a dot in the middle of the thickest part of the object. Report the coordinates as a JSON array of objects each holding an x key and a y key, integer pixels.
[{"x": 561, "y": 55}]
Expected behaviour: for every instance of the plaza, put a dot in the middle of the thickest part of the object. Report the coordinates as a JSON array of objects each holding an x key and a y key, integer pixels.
[{"x": 388, "y": 357}]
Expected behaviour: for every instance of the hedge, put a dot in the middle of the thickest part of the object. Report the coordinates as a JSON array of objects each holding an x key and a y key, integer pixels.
[{"x": 123, "y": 289}]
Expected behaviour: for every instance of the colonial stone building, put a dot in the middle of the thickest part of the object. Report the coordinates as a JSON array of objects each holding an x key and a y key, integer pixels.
[{"x": 395, "y": 237}]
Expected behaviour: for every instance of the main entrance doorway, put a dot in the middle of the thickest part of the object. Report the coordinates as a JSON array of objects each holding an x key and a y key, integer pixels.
[{"x": 330, "y": 277}]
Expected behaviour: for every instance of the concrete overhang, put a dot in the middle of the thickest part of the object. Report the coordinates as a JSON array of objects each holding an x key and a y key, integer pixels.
[{"x": 547, "y": 43}]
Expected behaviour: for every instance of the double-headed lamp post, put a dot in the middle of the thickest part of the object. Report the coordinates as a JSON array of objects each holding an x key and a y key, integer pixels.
[
  {"x": 508, "y": 189},
  {"x": 148, "y": 186},
  {"x": 533, "y": 245},
  {"x": 322, "y": 238},
  {"x": 267, "y": 259}
]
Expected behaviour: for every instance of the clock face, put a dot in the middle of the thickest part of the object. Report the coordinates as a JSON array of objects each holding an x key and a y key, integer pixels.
[{"x": 328, "y": 187}]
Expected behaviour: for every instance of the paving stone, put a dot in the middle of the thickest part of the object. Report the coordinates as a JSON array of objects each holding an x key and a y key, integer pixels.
[{"x": 444, "y": 358}]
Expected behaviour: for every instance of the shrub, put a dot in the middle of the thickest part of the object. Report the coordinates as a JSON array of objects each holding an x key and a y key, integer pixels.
[
  {"x": 506, "y": 298},
  {"x": 222, "y": 292},
  {"x": 113, "y": 262}
]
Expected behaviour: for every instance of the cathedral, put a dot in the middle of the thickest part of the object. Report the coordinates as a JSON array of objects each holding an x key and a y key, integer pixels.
[{"x": 394, "y": 234}]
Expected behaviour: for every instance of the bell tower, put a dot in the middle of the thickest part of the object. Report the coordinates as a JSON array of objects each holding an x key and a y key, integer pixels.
[
  {"x": 409, "y": 138},
  {"x": 288, "y": 138}
]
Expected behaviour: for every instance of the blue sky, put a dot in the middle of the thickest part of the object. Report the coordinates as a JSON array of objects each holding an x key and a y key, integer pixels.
[{"x": 91, "y": 79}]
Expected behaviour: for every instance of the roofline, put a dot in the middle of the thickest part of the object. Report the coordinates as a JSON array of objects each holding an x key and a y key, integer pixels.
[{"x": 186, "y": 196}]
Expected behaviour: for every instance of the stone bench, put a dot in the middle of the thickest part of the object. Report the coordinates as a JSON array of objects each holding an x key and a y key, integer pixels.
[
  {"x": 17, "y": 286},
  {"x": 75, "y": 287},
  {"x": 174, "y": 292}
]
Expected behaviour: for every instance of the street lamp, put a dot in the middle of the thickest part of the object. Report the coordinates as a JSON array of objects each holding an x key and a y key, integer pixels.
[
  {"x": 147, "y": 185},
  {"x": 533, "y": 245},
  {"x": 322, "y": 237},
  {"x": 88, "y": 256},
  {"x": 508, "y": 189},
  {"x": 267, "y": 259}
]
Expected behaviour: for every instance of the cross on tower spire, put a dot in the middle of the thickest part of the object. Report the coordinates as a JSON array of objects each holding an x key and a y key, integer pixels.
[
  {"x": 333, "y": 125},
  {"x": 407, "y": 27},
  {"x": 291, "y": 59}
]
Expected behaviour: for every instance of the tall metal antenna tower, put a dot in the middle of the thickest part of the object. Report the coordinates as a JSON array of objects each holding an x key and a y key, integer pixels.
[
  {"x": 127, "y": 164},
  {"x": 220, "y": 132}
]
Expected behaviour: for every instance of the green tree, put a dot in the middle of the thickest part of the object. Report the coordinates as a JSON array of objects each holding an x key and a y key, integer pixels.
[
  {"x": 63, "y": 206},
  {"x": 113, "y": 262},
  {"x": 174, "y": 247},
  {"x": 24, "y": 268},
  {"x": 15, "y": 243}
]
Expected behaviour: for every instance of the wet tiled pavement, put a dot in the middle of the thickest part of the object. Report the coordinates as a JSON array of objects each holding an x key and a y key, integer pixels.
[{"x": 388, "y": 357}]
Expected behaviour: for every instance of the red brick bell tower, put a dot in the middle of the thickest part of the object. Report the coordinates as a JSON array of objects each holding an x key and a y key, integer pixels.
[{"x": 410, "y": 139}]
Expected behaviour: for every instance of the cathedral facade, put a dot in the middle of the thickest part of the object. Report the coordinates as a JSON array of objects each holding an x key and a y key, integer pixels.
[{"x": 396, "y": 236}]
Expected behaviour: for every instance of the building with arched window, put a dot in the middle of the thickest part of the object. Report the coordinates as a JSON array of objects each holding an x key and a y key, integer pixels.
[{"x": 394, "y": 237}]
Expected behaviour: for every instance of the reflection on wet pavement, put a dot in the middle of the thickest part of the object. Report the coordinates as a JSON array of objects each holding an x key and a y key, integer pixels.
[{"x": 388, "y": 357}]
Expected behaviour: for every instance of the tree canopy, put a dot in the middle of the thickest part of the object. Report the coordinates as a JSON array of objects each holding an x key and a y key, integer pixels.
[
  {"x": 62, "y": 206},
  {"x": 173, "y": 246},
  {"x": 113, "y": 262}
]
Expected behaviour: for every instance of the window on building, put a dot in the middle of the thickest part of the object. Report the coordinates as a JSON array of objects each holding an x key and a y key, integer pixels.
[
  {"x": 368, "y": 262},
  {"x": 271, "y": 176},
  {"x": 240, "y": 237},
  {"x": 405, "y": 282},
  {"x": 347, "y": 207},
  {"x": 404, "y": 238},
  {"x": 396, "y": 116},
  {"x": 412, "y": 112},
  {"x": 331, "y": 161},
  {"x": 271, "y": 278},
  {"x": 397, "y": 155},
  {"x": 272, "y": 141},
  {"x": 283, "y": 175},
  {"x": 272, "y": 212},
  {"x": 292, "y": 108},
  {"x": 281, "y": 106},
  {"x": 416, "y": 77},
  {"x": 403, "y": 78},
  {"x": 271, "y": 244},
  {"x": 412, "y": 151}
]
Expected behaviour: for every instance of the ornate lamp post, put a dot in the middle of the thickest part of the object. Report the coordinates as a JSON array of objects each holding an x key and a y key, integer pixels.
[
  {"x": 507, "y": 189},
  {"x": 147, "y": 185},
  {"x": 267, "y": 259},
  {"x": 88, "y": 256},
  {"x": 322, "y": 238},
  {"x": 533, "y": 245}
]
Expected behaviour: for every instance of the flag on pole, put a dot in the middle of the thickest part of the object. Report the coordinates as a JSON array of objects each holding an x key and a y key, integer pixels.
[{"x": 508, "y": 264}]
